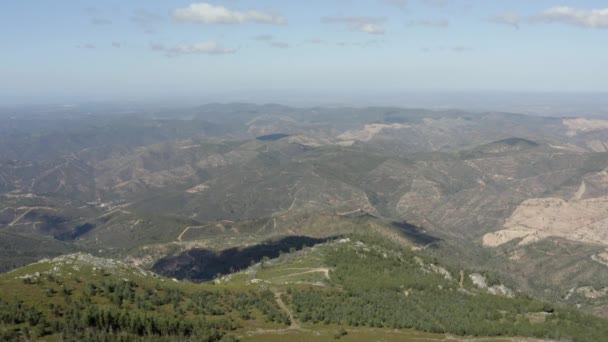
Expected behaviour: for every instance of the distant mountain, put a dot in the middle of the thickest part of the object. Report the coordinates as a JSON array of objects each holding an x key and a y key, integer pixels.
[{"x": 171, "y": 189}]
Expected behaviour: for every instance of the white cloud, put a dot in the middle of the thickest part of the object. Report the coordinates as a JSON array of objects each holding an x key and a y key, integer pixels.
[
  {"x": 371, "y": 28},
  {"x": 101, "y": 21},
  {"x": 440, "y": 23},
  {"x": 205, "y": 48},
  {"x": 86, "y": 46},
  {"x": 366, "y": 44},
  {"x": 263, "y": 37},
  {"x": 315, "y": 41},
  {"x": 460, "y": 48},
  {"x": 279, "y": 45},
  {"x": 456, "y": 49},
  {"x": 209, "y": 14},
  {"x": 595, "y": 18},
  {"x": 370, "y": 25},
  {"x": 270, "y": 39},
  {"x": 509, "y": 19}
]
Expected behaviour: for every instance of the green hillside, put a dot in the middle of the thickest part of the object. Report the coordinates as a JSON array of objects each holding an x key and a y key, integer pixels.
[
  {"x": 352, "y": 287},
  {"x": 193, "y": 192}
]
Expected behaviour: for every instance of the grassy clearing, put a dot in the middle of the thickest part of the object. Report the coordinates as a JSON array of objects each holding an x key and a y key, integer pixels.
[{"x": 331, "y": 332}]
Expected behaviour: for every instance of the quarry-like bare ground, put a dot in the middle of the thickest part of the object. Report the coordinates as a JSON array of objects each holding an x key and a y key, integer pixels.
[
  {"x": 577, "y": 220},
  {"x": 369, "y": 131},
  {"x": 198, "y": 188},
  {"x": 584, "y": 125}
]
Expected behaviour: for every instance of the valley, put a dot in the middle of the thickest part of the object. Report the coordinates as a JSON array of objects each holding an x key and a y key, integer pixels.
[
  {"x": 76, "y": 296},
  {"x": 368, "y": 170},
  {"x": 202, "y": 194}
]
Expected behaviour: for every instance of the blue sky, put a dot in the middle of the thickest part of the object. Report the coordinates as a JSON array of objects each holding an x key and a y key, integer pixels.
[{"x": 61, "y": 49}]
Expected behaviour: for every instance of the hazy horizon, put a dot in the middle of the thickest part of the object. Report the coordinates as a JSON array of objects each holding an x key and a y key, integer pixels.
[
  {"x": 78, "y": 51},
  {"x": 532, "y": 103}
]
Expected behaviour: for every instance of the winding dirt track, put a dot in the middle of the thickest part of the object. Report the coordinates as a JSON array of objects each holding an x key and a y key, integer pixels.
[
  {"x": 179, "y": 238},
  {"x": 293, "y": 324},
  {"x": 324, "y": 270},
  {"x": 27, "y": 211}
]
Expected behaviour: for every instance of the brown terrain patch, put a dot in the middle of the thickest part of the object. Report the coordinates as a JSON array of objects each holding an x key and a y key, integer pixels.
[
  {"x": 584, "y": 125},
  {"x": 369, "y": 131},
  {"x": 539, "y": 218},
  {"x": 198, "y": 188}
]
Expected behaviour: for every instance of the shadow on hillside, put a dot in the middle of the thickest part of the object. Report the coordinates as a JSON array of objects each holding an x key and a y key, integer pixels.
[
  {"x": 76, "y": 232},
  {"x": 201, "y": 265},
  {"x": 416, "y": 234},
  {"x": 272, "y": 137}
]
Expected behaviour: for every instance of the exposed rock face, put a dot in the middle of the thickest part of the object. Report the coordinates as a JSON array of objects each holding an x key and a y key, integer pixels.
[
  {"x": 198, "y": 188},
  {"x": 480, "y": 282},
  {"x": 584, "y": 125},
  {"x": 369, "y": 131},
  {"x": 601, "y": 258},
  {"x": 588, "y": 292},
  {"x": 74, "y": 262},
  {"x": 538, "y": 218}
]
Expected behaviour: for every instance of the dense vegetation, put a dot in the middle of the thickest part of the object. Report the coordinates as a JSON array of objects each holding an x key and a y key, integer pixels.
[
  {"x": 371, "y": 283},
  {"x": 17, "y": 250},
  {"x": 122, "y": 309},
  {"x": 383, "y": 286},
  {"x": 128, "y": 182}
]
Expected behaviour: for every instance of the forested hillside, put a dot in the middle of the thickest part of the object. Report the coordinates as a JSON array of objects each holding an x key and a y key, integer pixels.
[{"x": 348, "y": 285}]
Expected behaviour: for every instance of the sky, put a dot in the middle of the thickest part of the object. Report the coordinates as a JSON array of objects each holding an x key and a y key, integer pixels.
[{"x": 59, "y": 50}]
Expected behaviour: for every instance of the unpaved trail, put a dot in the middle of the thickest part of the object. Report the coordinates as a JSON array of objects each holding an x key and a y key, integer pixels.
[
  {"x": 262, "y": 228},
  {"x": 293, "y": 324},
  {"x": 461, "y": 282},
  {"x": 135, "y": 224},
  {"x": 28, "y": 223},
  {"x": 373, "y": 210},
  {"x": 112, "y": 212},
  {"x": 295, "y": 198},
  {"x": 27, "y": 211},
  {"x": 179, "y": 238},
  {"x": 323, "y": 270},
  {"x": 581, "y": 191},
  {"x": 19, "y": 217},
  {"x": 349, "y": 212},
  {"x": 7, "y": 208}
]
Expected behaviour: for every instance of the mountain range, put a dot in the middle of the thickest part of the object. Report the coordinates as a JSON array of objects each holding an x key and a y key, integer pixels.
[{"x": 202, "y": 193}]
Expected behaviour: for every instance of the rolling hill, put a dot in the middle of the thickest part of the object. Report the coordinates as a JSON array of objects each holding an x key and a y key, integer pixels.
[{"x": 170, "y": 189}]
